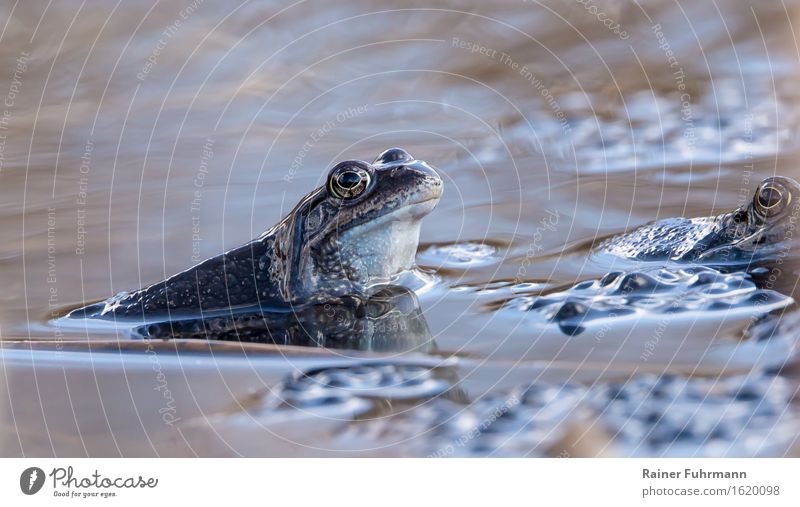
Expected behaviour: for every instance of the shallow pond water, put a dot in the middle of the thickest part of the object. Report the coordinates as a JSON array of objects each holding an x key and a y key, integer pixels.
[{"x": 140, "y": 138}]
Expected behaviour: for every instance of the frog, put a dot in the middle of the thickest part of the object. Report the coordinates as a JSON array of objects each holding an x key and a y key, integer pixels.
[
  {"x": 759, "y": 230},
  {"x": 358, "y": 230}
]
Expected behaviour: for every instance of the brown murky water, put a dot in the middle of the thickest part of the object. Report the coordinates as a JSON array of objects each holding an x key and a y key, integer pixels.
[{"x": 139, "y": 138}]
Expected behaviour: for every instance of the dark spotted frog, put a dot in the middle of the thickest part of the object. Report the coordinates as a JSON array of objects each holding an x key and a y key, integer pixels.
[{"x": 356, "y": 231}]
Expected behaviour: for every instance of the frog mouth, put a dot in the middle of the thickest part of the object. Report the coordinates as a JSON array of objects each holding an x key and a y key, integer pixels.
[
  {"x": 410, "y": 212},
  {"x": 424, "y": 201},
  {"x": 418, "y": 208}
]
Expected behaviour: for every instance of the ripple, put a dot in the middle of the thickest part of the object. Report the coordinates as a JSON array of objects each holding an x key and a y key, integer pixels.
[{"x": 501, "y": 287}]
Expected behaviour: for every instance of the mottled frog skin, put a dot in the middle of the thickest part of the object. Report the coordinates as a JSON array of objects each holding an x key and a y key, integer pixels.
[
  {"x": 762, "y": 229},
  {"x": 357, "y": 230}
]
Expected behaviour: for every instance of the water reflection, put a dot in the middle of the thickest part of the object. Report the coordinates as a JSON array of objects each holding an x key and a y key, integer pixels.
[{"x": 389, "y": 319}]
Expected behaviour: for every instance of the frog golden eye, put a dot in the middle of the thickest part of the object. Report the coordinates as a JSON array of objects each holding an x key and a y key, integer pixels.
[
  {"x": 348, "y": 181},
  {"x": 771, "y": 199}
]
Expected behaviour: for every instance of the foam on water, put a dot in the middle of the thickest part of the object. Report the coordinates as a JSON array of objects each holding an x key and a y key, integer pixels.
[
  {"x": 422, "y": 408},
  {"x": 693, "y": 293},
  {"x": 459, "y": 255}
]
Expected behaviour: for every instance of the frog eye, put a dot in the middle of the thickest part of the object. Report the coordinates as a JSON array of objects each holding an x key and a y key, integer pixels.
[
  {"x": 771, "y": 198},
  {"x": 348, "y": 180}
]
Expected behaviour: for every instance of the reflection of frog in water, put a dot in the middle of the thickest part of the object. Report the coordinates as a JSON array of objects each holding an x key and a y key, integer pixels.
[
  {"x": 358, "y": 230},
  {"x": 388, "y": 320}
]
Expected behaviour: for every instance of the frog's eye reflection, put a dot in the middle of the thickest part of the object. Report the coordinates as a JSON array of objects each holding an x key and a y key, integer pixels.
[
  {"x": 770, "y": 200},
  {"x": 348, "y": 179},
  {"x": 348, "y": 182}
]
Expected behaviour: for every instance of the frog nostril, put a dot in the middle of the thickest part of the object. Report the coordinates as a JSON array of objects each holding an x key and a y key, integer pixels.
[{"x": 393, "y": 156}]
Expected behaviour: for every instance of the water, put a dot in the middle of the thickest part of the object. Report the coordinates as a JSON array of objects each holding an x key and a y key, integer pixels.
[{"x": 140, "y": 139}]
